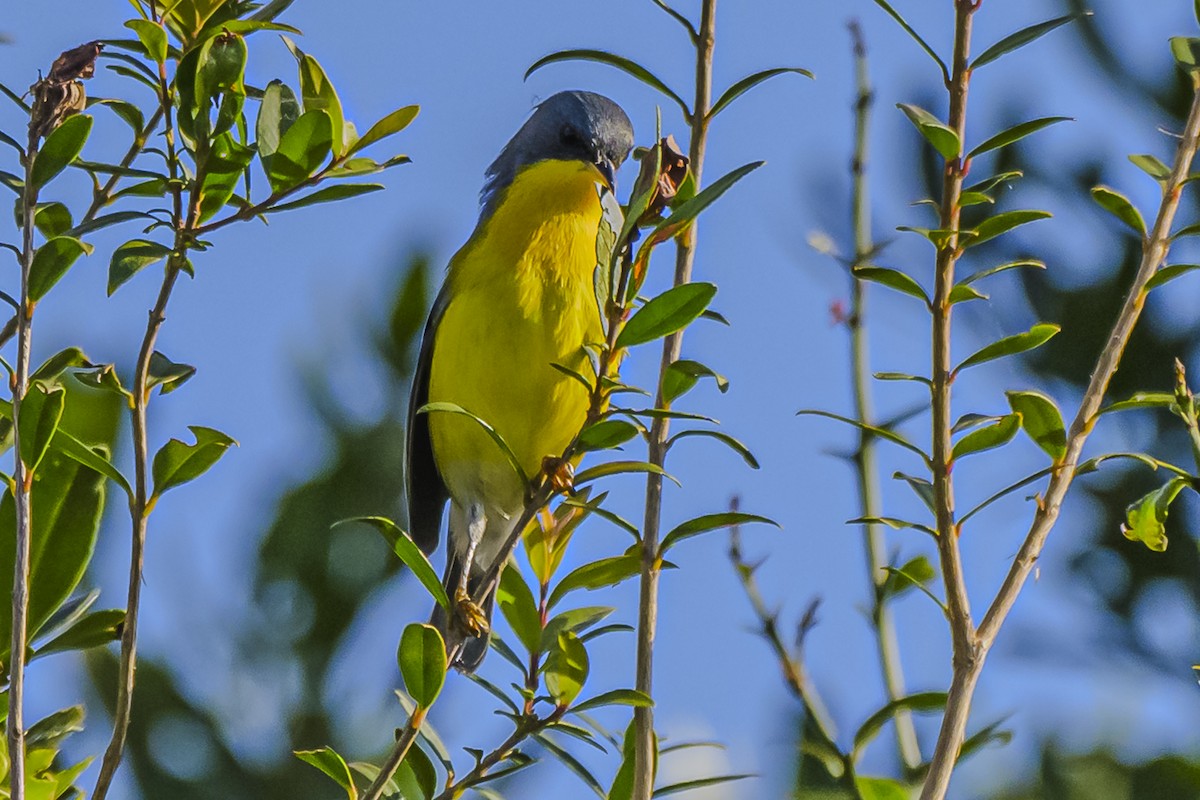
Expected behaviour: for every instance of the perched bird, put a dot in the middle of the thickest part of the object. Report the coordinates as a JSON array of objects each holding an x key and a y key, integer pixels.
[{"x": 518, "y": 297}]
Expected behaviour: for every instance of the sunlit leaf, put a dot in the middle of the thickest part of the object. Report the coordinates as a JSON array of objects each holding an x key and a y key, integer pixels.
[
  {"x": 943, "y": 138},
  {"x": 1120, "y": 207},
  {"x": 1035, "y": 337},
  {"x": 422, "y": 659}
]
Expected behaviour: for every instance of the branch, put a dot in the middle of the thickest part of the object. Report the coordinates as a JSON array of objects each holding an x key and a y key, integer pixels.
[{"x": 866, "y": 469}]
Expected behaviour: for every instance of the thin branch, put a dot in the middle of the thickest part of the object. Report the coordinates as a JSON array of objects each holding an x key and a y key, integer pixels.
[
  {"x": 103, "y": 196},
  {"x": 404, "y": 742},
  {"x": 645, "y": 755},
  {"x": 528, "y": 727},
  {"x": 866, "y": 469}
]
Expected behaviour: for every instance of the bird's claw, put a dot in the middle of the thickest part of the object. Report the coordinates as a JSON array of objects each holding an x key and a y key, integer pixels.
[
  {"x": 559, "y": 472},
  {"x": 469, "y": 615}
]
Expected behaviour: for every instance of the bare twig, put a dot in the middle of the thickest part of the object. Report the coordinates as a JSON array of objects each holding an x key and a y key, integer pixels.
[
  {"x": 645, "y": 756},
  {"x": 867, "y": 471}
]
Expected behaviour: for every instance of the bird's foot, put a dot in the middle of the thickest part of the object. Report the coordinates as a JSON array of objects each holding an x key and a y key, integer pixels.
[
  {"x": 469, "y": 615},
  {"x": 560, "y": 473}
]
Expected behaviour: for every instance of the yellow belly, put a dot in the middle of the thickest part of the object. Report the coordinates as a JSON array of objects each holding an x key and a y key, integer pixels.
[{"x": 522, "y": 298}]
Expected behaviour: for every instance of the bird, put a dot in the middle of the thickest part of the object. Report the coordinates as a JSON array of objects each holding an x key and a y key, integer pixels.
[{"x": 517, "y": 298}]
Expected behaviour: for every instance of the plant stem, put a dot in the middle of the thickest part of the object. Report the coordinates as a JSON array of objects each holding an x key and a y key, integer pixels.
[
  {"x": 139, "y": 508},
  {"x": 403, "y": 742},
  {"x": 967, "y": 658},
  {"x": 23, "y": 482},
  {"x": 529, "y": 726},
  {"x": 867, "y": 471},
  {"x": 685, "y": 248}
]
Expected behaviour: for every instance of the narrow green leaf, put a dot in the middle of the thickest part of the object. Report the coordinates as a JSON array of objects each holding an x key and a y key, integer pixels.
[
  {"x": 328, "y": 761},
  {"x": 913, "y": 574},
  {"x": 62, "y": 146},
  {"x": 920, "y": 486},
  {"x": 1042, "y": 421},
  {"x": 1151, "y": 165},
  {"x": 988, "y": 437},
  {"x": 963, "y": 292},
  {"x": 626, "y": 65},
  {"x": 1145, "y": 520},
  {"x": 48, "y": 733},
  {"x": 56, "y": 364},
  {"x": 519, "y": 608},
  {"x": 616, "y": 697},
  {"x": 493, "y": 434},
  {"x": 683, "y": 214},
  {"x": 131, "y": 258},
  {"x": 1035, "y": 337},
  {"x": 620, "y": 468},
  {"x": 595, "y": 575},
  {"x": 177, "y": 463},
  {"x": 51, "y": 262},
  {"x": 709, "y": 522},
  {"x": 328, "y": 194},
  {"x": 1187, "y": 230},
  {"x": 566, "y": 669},
  {"x": 1143, "y": 400},
  {"x": 393, "y": 123},
  {"x": 41, "y": 412},
  {"x": 924, "y": 702},
  {"x": 916, "y": 37},
  {"x": 408, "y": 552},
  {"x": 1015, "y": 134},
  {"x": 1004, "y": 222},
  {"x": 572, "y": 763},
  {"x": 683, "y": 374},
  {"x": 1021, "y": 38},
  {"x": 985, "y": 273},
  {"x": 749, "y": 82},
  {"x": 153, "y": 38},
  {"x": 722, "y": 437},
  {"x": 893, "y": 523},
  {"x": 882, "y": 433},
  {"x": 1028, "y": 479},
  {"x": 92, "y": 630},
  {"x": 1169, "y": 273},
  {"x": 1186, "y": 51},
  {"x": 943, "y": 138},
  {"x": 1120, "y": 207},
  {"x": 697, "y": 783},
  {"x": 667, "y": 313},
  {"x": 318, "y": 94},
  {"x": 893, "y": 279},
  {"x": 606, "y": 435},
  {"x": 422, "y": 659}
]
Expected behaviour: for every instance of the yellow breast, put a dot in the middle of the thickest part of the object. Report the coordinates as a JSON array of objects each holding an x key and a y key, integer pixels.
[{"x": 522, "y": 298}]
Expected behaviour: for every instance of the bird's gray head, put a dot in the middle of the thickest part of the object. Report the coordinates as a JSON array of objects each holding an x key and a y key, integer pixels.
[{"x": 569, "y": 126}]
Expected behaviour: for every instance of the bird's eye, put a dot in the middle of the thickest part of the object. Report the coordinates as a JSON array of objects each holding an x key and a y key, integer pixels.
[{"x": 569, "y": 136}]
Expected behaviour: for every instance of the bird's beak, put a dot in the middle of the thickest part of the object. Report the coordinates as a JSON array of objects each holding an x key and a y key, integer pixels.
[{"x": 608, "y": 170}]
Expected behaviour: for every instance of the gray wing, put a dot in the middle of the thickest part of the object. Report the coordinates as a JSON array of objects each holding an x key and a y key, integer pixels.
[{"x": 427, "y": 492}]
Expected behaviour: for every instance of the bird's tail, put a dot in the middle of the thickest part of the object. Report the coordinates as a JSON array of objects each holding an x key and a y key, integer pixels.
[{"x": 474, "y": 647}]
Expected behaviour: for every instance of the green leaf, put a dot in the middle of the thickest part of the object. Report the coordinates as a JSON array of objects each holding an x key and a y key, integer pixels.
[
  {"x": 697, "y": 783},
  {"x": 277, "y": 111},
  {"x": 963, "y": 292},
  {"x": 566, "y": 669},
  {"x": 226, "y": 166},
  {"x": 319, "y": 95},
  {"x": 1120, "y": 207},
  {"x": 52, "y": 219},
  {"x": 923, "y": 702},
  {"x": 519, "y": 608},
  {"x": 683, "y": 214},
  {"x": 408, "y": 552},
  {"x": 620, "y": 468},
  {"x": 451, "y": 408},
  {"x": 93, "y": 630},
  {"x": 166, "y": 373},
  {"x": 176, "y": 463},
  {"x": 626, "y": 65},
  {"x": 1004, "y": 222},
  {"x": 606, "y": 435},
  {"x": 1142, "y": 400},
  {"x": 41, "y": 412},
  {"x": 681, "y": 375},
  {"x": 576, "y": 620},
  {"x": 709, "y": 522},
  {"x": 393, "y": 123},
  {"x": 69, "y": 500},
  {"x": 722, "y": 437},
  {"x": 572, "y": 763},
  {"x": 913, "y": 574},
  {"x": 302, "y": 150},
  {"x": 921, "y": 486},
  {"x": 62, "y": 146},
  {"x": 671, "y": 311},
  {"x": 1028, "y": 479},
  {"x": 1186, "y": 51},
  {"x": 131, "y": 258},
  {"x": 51, "y": 262},
  {"x": 943, "y": 138},
  {"x": 1035, "y": 337},
  {"x": 1015, "y": 134},
  {"x": 892, "y": 522},
  {"x": 595, "y": 575},
  {"x": 749, "y": 82},
  {"x": 902, "y": 376},
  {"x": 881, "y": 788},
  {"x": 982, "y": 738},
  {"x": 1021, "y": 38},
  {"x": 916, "y": 37},
  {"x": 48, "y": 733},
  {"x": 1169, "y": 273},
  {"x": 1042, "y": 421},
  {"x": 328, "y": 761},
  {"x": 56, "y": 364},
  {"x": 616, "y": 697},
  {"x": 152, "y": 37},
  {"x": 988, "y": 437},
  {"x": 1151, "y": 165},
  {"x": 894, "y": 279},
  {"x": 1145, "y": 520},
  {"x": 985, "y": 273},
  {"x": 939, "y": 238},
  {"x": 328, "y": 194},
  {"x": 422, "y": 659},
  {"x": 882, "y": 433}
]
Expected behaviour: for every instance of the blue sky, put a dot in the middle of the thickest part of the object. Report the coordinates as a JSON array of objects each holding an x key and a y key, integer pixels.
[{"x": 268, "y": 301}]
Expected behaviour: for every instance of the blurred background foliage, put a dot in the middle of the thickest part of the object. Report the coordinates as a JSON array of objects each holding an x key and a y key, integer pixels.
[{"x": 311, "y": 585}]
